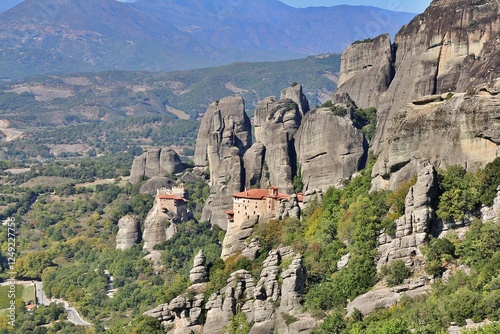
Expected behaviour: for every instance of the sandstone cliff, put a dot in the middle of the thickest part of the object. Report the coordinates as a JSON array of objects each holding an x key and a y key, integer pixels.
[
  {"x": 156, "y": 162},
  {"x": 451, "y": 46},
  {"x": 223, "y": 138},
  {"x": 129, "y": 232},
  {"x": 366, "y": 70},
  {"x": 329, "y": 148},
  {"x": 276, "y": 122},
  {"x": 464, "y": 130}
]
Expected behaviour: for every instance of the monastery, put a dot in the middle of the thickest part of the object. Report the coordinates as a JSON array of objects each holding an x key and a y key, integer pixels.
[{"x": 255, "y": 203}]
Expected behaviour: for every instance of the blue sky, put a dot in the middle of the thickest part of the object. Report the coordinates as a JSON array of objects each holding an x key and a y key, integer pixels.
[{"x": 413, "y": 6}]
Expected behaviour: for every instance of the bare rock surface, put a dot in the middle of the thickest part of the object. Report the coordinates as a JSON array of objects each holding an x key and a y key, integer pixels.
[
  {"x": 413, "y": 227},
  {"x": 158, "y": 161},
  {"x": 276, "y": 122},
  {"x": 129, "y": 232},
  {"x": 156, "y": 182},
  {"x": 451, "y": 46},
  {"x": 223, "y": 138},
  {"x": 366, "y": 70},
  {"x": 329, "y": 148},
  {"x": 463, "y": 130},
  {"x": 182, "y": 314}
]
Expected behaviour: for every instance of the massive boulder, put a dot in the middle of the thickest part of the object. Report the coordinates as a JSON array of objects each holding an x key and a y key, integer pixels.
[
  {"x": 152, "y": 185},
  {"x": 223, "y": 139},
  {"x": 329, "y": 148},
  {"x": 366, "y": 70},
  {"x": 464, "y": 130},
  {"x": 129, "y": 232},
  {"x": 276, "y": 122},
  {"x": 158, "y": 226},
  {"x": 158, "y": 161}
]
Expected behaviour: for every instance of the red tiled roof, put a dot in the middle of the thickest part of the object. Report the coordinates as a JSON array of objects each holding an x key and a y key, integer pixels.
[
  {"x": 172, "y": 197},
  {"x": 230, "y": 212},
  {"x": 259, "y": 194}
]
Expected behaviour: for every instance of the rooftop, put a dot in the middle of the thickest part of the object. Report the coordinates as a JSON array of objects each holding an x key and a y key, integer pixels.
[
  {"x": 172, "y": 197},
  {"x": 261, "y": 194}
]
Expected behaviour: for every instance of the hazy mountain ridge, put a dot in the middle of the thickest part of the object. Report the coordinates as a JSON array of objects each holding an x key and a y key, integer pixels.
[{"x": 71, "y": 36}]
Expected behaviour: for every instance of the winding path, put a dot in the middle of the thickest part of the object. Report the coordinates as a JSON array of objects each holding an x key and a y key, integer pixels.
[
  {"x": 41, "y": 298},
  {"x": 10, "y": 134}
]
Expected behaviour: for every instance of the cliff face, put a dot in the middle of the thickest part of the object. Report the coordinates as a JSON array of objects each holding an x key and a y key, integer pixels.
[
  {"x": 329, "y": 148},
  {"x": 156, "y": 162},
  {"x": 366, "y": 70},
  {"x": 451, "y": 46},
  {"x": 223, "y": 138},
  {"x": 464, "y": 130},
  {"x": 129, "y": 232}
]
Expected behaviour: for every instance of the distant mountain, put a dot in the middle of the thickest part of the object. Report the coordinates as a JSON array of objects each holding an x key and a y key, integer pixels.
[
  {"x": 66, "y": 36},
  {"x": 53, "y": 100}
]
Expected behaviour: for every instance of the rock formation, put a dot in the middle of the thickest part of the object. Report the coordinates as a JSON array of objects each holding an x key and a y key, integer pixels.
[
  {"x": 264, "y": 304},
  {"x": 329, "y": 148},
  {"x": 492, "y": 212},
  {"x": 158, "y": 226},
  {"x": 413, "y": 227},
  {"x": 387, "y": 297},
  {"x": 129, "y": 232},
  {"x": 289, "y": 208},
  {"x": 276, "y": 122},
  {"x": 464, "y": 130},
  {"x": 253, "y": 160},
  {"x": 223, "y": 138},
  {"x": 451, "y": 46},
  {"x": 182, "y": 314},
  {"x": 199, "y": 273},
  {"x": 153, "y": 184},
  {"x": 237, "y": 234},
  {"x": 366, "y": 70},
  {"x": 156, "y": 162}
]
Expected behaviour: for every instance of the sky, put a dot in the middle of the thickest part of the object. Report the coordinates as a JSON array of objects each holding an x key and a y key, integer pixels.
[{"x": 412, "y": 6}]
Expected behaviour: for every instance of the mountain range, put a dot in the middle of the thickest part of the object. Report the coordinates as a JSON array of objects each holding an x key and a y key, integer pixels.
[{"x": 65, "y": 36}]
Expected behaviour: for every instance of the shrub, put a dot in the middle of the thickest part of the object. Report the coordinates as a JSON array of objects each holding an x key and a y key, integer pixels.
[{"x": 396, "y": 273}]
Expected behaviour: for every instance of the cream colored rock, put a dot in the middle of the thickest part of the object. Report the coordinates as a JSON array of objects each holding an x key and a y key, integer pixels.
[{"x": 329, "y": 148}]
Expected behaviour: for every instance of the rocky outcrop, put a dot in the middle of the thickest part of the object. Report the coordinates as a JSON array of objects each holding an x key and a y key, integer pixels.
[
  {"x": 289, "y": 208},
  {"x": 129, "y": 232},
  {"x": 258, "y": 301},
  {"x": 156, "y": 182},
  {"x": 253, "y": 160},
  {"x": 158, "y": 226},
  {"x": 413, "y": 227},
  {"x": 237, "y": 234},
  {"x": 329, "y": 148},
  {"x": 199, "y": 273},
  {"x": 366, "y": 70},
  {"x": 156, "y": 162},
  {"x": 451, "y": 46},
  {"x": 223, "y": 138},
  {"x": 266, "y": 304},
  {"x": 461, "y": 131},
  {"x": 276, "y": 122},
  {"x": 296, "y": 94},
  {"x": 387, "y": 297},
  {"x": 492, "y": 212},
  {"x": 183, "y": 313}
]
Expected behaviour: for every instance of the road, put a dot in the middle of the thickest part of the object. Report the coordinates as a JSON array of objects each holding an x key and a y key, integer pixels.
[
  {"x": 10, "y": 134},
  {"x": 73, "y": 315}
]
